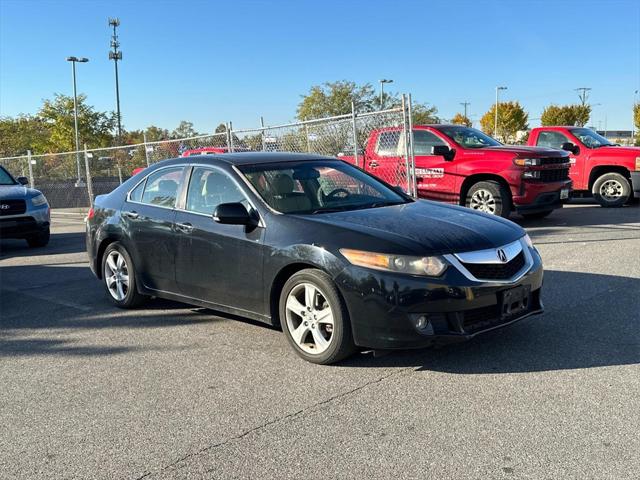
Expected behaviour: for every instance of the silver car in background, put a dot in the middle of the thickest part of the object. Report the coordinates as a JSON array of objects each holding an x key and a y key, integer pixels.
[{"x": 24, "y": 211}]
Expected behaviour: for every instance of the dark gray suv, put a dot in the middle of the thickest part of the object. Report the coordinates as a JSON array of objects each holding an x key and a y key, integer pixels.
[{"x": 24, "y": 211}]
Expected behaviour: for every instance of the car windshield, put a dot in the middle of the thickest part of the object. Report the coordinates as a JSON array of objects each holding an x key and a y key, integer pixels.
[
  {"x": 590, "y": 139},
  {"x": 468, "y": 137},
  {"x": 319, "y": 186},
  {"x": 5, "y": 178}
]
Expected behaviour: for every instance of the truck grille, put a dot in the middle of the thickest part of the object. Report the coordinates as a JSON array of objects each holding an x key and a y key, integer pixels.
[
  {"x": 12, "y": 207},
  {"x": 496, "y": 271},
  {"x": 554, "y": 161},
  {"x": 549, "y": 176}
]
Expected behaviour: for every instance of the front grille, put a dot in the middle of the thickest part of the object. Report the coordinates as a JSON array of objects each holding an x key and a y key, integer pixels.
[
  {"x": 496, "y": 271},
  {"x": 480, "y": 317},
  {"x": 554, "y": 161},
  {"x": 555, "y": 175},
  {"x": 12, "y": 207}
]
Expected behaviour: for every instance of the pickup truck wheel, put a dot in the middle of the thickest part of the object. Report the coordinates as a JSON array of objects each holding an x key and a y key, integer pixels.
[
  {"x": 315, "y": 319},
  {"x": 489, "y": 197},
  {"x": 611, "y": 190},
  {"x": 537, "y": 215}
]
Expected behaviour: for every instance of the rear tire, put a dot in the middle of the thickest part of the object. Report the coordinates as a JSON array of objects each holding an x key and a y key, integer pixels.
[
  {"x": 537, "y": 215},
  {"x": 39, "y": 240},
  {"x": 315, "y": 319},
  {"x": 489, "y": 196},
  {"x": 611, "y": 190},
  {"x": 118, "y": 276}
]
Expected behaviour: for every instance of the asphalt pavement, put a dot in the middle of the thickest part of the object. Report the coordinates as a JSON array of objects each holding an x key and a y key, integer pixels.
[{"x": 171, "y": 391}]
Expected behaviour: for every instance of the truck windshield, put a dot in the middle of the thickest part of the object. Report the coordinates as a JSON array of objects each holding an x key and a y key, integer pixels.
[
  {"x": 468, "y": 137},
  {"x": 5, "y": 178},
  {"x": 319, "y": 186},
  {"x": 589, "y": 138}
]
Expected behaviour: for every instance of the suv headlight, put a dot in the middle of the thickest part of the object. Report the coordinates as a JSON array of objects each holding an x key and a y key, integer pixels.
[
  {"x": 527, "y": 162},
  {"x": 38, "y": 200},
  {"x": 425, "y": 266},
  {"x": 527, "y": 240}
]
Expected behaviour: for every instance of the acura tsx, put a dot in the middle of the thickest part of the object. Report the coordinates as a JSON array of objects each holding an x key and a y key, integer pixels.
[{"x": 335, "y": 257}]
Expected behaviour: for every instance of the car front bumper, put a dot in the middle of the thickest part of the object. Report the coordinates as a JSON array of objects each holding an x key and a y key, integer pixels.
[
  {"x": 541, "y": 197},
  {"x": 384, "y": 307},
  {"x": 635, "y": 183},
  {"x": 32, "y": 222}
]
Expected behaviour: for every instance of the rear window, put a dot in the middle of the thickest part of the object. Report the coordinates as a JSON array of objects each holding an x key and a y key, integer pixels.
[{"x": 5, "y": 178}]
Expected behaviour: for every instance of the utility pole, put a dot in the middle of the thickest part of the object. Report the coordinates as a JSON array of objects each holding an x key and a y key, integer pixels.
[
  {"x": 116, "y": 55},
  {"x": 74, "y": 60},
  {"x": 465, "y": 105},
  {"x": 583, "y": 94},
  {"x": 382, "y": 82},
  {"x": 495, "y": 127}
]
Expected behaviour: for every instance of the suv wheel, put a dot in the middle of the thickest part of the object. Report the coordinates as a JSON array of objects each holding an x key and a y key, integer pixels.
[
  {"x": 314, "y": 318},
  {"x": 119, "y": 277},
  {"x": 39, "y": 240},
  {"x": 611, "y": 190},
  {"x": 489, "y": 197}
]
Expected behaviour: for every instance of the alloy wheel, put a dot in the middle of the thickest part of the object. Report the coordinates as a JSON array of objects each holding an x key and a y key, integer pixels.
[
  {"x": 483, "y": 200},
  {"x": 309, "y": 318},
  {"x": 116, "y": 275},
  {"x": 611, "y": 190}
]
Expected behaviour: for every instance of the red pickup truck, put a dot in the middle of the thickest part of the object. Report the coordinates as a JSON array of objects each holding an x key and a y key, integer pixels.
[
  {"x": 462, "y": 165},
  {"x": 609, "y": 172}
]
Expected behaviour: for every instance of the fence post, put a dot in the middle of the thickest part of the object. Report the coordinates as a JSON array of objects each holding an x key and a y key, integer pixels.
[
  {"x": 355, "y": 132},
  {"x": 89, "y": 181},
  {"x": 229, "y": 146},
  {"x": 306, "y": 134},
  {"x": 146, "y": 152},
  {"x": 406, "y": 146},
  {"x": 120, "y": 174},
  {"x": 263, "y": 132},
  {"x": 31, "y": 182},
  {"x": 412, "y": 156}
]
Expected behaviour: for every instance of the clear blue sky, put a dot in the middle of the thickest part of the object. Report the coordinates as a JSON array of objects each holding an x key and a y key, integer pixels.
[{"x": 216, "y": 61}]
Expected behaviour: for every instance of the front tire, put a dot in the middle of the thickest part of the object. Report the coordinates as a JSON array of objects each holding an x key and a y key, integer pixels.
[
  {"x": 490, "y": 197},
  {"x": 611, "y": 190},
  {"x": 314, "y": 318},
  {"x": 118, "y": 276},
  {"x": 39, "y": 240}
]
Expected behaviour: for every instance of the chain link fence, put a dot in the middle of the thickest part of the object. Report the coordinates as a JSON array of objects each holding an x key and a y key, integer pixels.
[{"x": 74, "y": 179}]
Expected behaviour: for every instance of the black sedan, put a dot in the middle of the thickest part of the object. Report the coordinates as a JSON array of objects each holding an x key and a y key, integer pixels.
[{"x": 337, "y": 258}]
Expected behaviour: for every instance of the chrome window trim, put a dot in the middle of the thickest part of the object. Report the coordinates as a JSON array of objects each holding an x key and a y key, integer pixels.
[{"x": 528, "y": 263}]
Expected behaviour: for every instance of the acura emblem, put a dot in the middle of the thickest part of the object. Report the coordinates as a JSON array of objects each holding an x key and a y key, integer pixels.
[
  {"x": 502, "y": 256},
  {"x": 4, "y": 206}
]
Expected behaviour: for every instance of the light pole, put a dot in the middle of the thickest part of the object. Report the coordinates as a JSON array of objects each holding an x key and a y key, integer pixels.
[
  {"x": 382, "y": 82},
  {"x": 73, "y": 60},
  {"x": 465, "y": 105},
  {"x": 495, "y": 125},
  {"x": 116, "y": 55}
]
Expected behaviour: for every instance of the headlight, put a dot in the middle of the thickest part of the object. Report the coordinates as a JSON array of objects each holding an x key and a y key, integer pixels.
[
  {"x": 527, "y": 162},
  {"x": 426, "y": 266},
  {"x": 527, "y": 240},
  {"x": 38, "y": 200},
  {"x": 637, "y": 164}
]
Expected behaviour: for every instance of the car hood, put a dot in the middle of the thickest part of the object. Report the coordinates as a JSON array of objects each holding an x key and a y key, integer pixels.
[
  {"x": 427, "y": 228},
  {"x": 616, "y": 151},
  {"x": 14, "y": 191},
  {"x": 524, "y": 151}
]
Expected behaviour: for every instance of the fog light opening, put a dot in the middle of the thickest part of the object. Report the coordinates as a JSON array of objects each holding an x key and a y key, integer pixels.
[{"x": 423, "y": 323}]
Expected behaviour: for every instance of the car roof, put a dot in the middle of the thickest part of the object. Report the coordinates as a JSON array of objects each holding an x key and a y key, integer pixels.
[{"x": 250, "y": 158}]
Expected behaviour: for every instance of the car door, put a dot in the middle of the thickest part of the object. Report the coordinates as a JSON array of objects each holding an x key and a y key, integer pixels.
[
  {"x": 555, "y": 139},
  {"x": 220, "y": 264},
  {"x": 385, "y": 160},
  {"x": 435, "y": 176},
  {"x": 148, "y": 215}
]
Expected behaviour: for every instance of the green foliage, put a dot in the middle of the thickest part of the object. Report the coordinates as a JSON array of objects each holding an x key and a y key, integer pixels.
[
  {"x": 334, "y": 98},
  {"x": 22, "y": 133},
  {"x": 460, "y": 119},
  {"x": 184, "y": 130},
  {"x": 511, "y": 119},
  {"x": 94, "y": 127},
  {"x": 575, "y": 115},
  {"x": 636, "y": 122},
  {"x": 424, "y": 114}
]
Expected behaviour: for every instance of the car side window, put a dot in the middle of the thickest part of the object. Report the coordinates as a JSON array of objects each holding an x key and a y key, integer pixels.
[
  {"x": 551, "y": 139},
  {"x": 136, "y": 193},
  {"x": 209, "y": 187},
  {"x": 387, "y": 143},
  {"x": 424, "y": 141},
  {"x": 161, "y": 187}
]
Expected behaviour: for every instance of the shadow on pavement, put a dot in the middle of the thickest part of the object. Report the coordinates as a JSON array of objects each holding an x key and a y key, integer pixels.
[{"x": 59, "y": 243}]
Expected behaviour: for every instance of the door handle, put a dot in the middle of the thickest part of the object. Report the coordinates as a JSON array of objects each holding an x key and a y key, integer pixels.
[
  {"x": 373, "y": 164},
  {"x": 184, "y": 227},
  {"x": 132, "y": 215}
]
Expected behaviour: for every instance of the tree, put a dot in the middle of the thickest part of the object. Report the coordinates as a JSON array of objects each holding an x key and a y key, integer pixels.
[
  {"x": 184, "y": 130},
  {"x": 155, "y": 134},
  {"x": 636, "y": 122},
  {"x": 511, "y": 119},
  {"x": 575, "y": 115},
  {"x": 424, "y": 114},
  {"x": 94, "y": 127},
  {"x": 460, "y": 119},
  {"x": 334, "y": 98},
  {"x": 25, "y": 132}
]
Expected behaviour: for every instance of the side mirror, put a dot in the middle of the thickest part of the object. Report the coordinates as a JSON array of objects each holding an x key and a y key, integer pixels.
[
  {"x": 570, "y": 147},
  {"x": 23, "y": 180},
  {"x": 443, "y": 151},
  {"x": 233, "y": 214}
]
